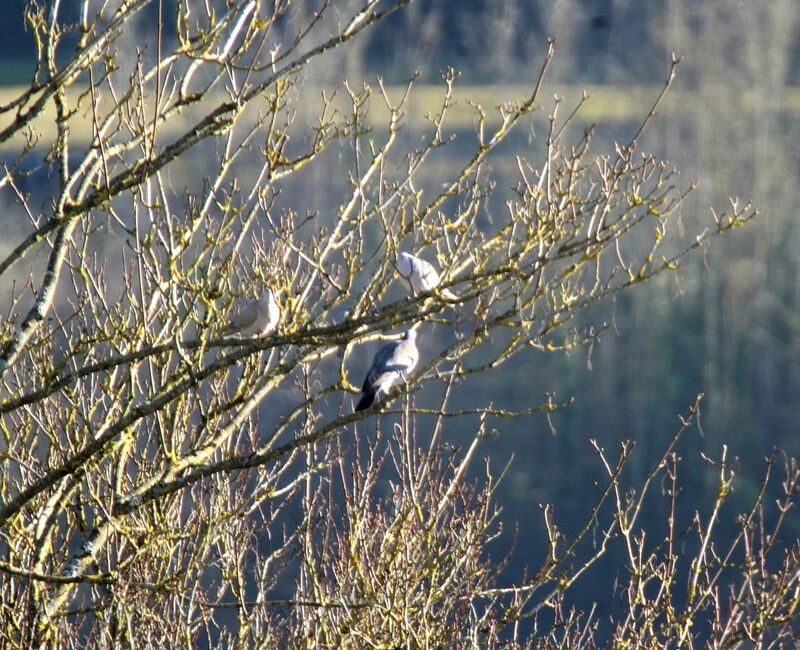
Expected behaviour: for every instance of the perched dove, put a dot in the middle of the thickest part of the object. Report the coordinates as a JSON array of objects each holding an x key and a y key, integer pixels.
[
  {"x": 256, "y": 317},
  {"x": 420, "y": 275},
  {"x": 392, "y": 364}
]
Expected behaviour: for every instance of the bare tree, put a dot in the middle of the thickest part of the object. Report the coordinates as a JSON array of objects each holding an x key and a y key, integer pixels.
[{"x": 165, "y": 482}]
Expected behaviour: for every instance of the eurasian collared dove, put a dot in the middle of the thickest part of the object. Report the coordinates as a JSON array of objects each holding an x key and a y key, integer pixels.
[
  {"x": 256, "y": 317},
  {"x": 420, "y": 275},
  {"x": 392, "y": 364}
]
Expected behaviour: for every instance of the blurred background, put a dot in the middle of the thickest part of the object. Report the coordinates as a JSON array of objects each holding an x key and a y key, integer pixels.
[{"x": 724, "y": 325}]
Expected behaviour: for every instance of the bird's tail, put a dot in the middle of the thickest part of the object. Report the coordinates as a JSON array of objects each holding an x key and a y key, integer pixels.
[
  {"x": 449, "y": 294},
  {"x": 367, "y": 399}
]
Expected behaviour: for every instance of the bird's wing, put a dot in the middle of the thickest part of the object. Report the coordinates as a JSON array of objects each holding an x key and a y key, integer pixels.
[
  {"x": 404, "y": 357},
  {"x": 427, "y": 274},
  {"x": 429, "y": 279},
  {"x": 392, "y": 360},
  {"x": 244, "y": 317},
  {"x": 378, "y": 367}
]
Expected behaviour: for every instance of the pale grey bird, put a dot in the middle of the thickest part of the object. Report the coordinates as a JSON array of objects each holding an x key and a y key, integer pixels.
[
  {"x": 256, "y": 317},
  {"x": 392, "y": 363},
  {"x": 420, "y": 275}
]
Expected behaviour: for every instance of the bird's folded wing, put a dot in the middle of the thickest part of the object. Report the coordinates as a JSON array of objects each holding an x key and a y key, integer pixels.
[
  {"x": 403, "y": 357},
  {"x": 381, "y": 364},
  {"x": 428, "y": 275},
  {"x": 244, "y": 317}
]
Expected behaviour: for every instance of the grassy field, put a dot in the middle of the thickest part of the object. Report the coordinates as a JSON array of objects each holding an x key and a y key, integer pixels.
[{"x": 605, "y": 104}]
